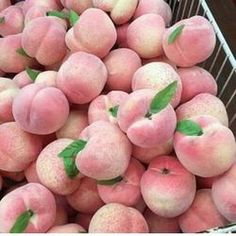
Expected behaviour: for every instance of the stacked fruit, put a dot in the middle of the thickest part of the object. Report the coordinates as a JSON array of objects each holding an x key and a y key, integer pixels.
[{"x": 107, "y": 122}]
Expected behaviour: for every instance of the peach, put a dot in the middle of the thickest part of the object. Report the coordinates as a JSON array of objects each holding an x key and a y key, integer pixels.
[
  {"x": 1, "y": 73},
  {"x": 95, "y": 26},
  {"x": 143, "y": 129},
  {"x": 76, "y": 122},
  {"x": 127, "y": 190},
  {"x": 47, "y": 78},
  {"x": 158, "y": 7},
  {"x": 206, "y": 153},
  {"x": 194, "y": 44},
  {"x": 202, "y": 214},
  {"x": 8, "y": 91},
  {"x": 71, "y": 42},
  {"x": 107, "y": 152},
  {"x": 82, "y": 77},
  {"x": 86, "y": 199},
  {"x": 122, "y": 35},
  {"x": 144, "y": 35},
  {"x": 12, "y": 59},
  {"x": 140, "y": 205},
  {"x": 22, "y": 79},
  {"x": 61, "y": 216},
  {"x": 196, "y": 80},
  {"x": 18, "y": 148},
  {"x": 158, "y": 224},
  {"x": 67, "y": 228},
  {"x": 51, "y": 169},
  {"x": 203, "y": 104},
  {"x": 83, "y": 220},
  {"x": 117, "y": 218},
  {"x": 39, "y": 109},
  {"x": 157, "y": 75},
  {"x": 77, "y": 5},
  {"x": 224, "y": 194},
  {"x": 160, "y": 187},
  {"x": 4, "y": 4},
  {"x": 115, "y": 62},
  {"x": 31, "y": 173},
  {"x": 13, "y": 22},
  {"x": 146, "y": 155},
  {"x": 34, "y": 201},
  {"x": 105, "y": 107},
  {"x": 44, "y": 39}
]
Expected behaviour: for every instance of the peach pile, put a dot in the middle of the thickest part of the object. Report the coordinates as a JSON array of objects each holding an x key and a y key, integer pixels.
[{"x": 107, "y": 122}]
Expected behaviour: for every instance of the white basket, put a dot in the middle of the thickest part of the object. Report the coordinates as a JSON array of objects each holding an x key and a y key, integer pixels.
[{"x": 221, "y": 64}]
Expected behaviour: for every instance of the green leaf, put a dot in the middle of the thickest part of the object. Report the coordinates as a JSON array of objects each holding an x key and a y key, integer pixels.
[
  {"x": 110, "y": 181},
  {"x": 175, "y": 34},
  {"x": 33, "y": 74},
  {"x": 73, "y": 17},
  {"x": 2, "y": 20},
  {"x": 22, "y": 222},
  {"x": 22, "y": 52},
  {"x": 190, "y": 128},
  {"x": 69, "y": 154},
  {"x": 59, "y": 14},
  {"x": 162, "y": 99},
  {"x": 114, "y": 110}
]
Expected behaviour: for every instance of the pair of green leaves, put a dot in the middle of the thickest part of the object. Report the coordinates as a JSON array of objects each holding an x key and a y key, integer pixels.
[
  {"x": 22, "y": 222},
  {"x": 72, "y": 16},
  {"x": 69, "y": 154}
]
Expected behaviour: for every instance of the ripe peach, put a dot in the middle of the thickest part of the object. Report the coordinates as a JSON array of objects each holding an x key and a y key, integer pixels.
[
  {"x": 115, "y": 61},
  {"x": 202, "y": 214},
  {"x": 193, "y": 45},
  {"x": 31, "y": 173},
  {"x": 157, "y": 75},
  {"x": 117, "y": 218},
  {"x": 127, "y": 191},
  {"x": 144, "y": 35},
  {"x": 18, "y": 148},
  {"x": 61, "y": 216},
  {"x": 4, "y": 4},
  {"x": 77, "y": 5},
  {"x": 34, "y": 199},
  {"x": 209, "y": 154},
  {"x": 158, "y": 224},
  {"x": 104, "y": 107},
  {"x": 39, "y": 109},
  {"x": 67, "y": 228},
  {"x": 196, "y": 80},
  {"x": 82, "y": 77},
  {"x": 160, "y": 187},
  {"x": 107, "y": 152},
  {"x": 51, "y": 170},
  {"x": 122, "y": 35},
  {"x": 22, "y": 79},
  {"x": 140, "y": 205},
  {"x": 203, "y": 104},
  {"x": 47, "y": 78}
]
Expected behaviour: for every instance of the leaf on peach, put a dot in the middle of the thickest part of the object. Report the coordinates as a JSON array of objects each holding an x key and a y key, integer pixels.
[
  {"x": 33, "y": 74},
  {"x": 189, "y": 128},
  {"x": 114, "y": 110},
  {"x": 175, "y": 34},
  {"x": 110, "y": 181}
]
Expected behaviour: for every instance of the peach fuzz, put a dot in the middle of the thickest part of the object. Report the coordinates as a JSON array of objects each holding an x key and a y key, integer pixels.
[
  {"x": 122, "y": 35},
  {"x": 196, "y": 80},
  {"x": 31, "y": 173},
  {"x": 107, "y": 152},
  {"x": 18, "y": 148},
  {"x": 167, "y": 187},
  {"x": 203, "y": 104},
  {"x": 158, "y": 224},
  {"x": 51, "y": 171},
  {"x": 82, "y": 77},
  {"x": 8, "y": 91},
  {"x": 76, "y": 122},
  {"x": 47, "y": 78},
  {"x": 4, "y": 4},
  {"x": 11, "y": 61},
  {"x": 157, "y": 75},
  {"x": 146, "y": 155},
  {"x": 209, "y": 154},
  {"x": 95, "y": 26},
  {"x": 100, "y": 107},
  {"x": 224, "y": 194},
  {"x": 158, "y": 7},
  {"x": 195, "y": 43},
  {"x": 13, "y": 21},
  {"x": 202, "y": 214},
  {"x": 117, "y": 218},
  {"x": 83, "y": 220},
  {"x": 44, "y": 39},
  {"x": 22, "y": 79},
  {"x": 144, "y": 35},
  {"x": 39, "y": 109},
  {"x": 115, "y": 62},
  {"x": 31, "y": 197},
  {"x": 77, "y": 5},
  {"x": 67, "y": 228},
  {"x": 85, "y": 199},
  {"x": 127, "y": 191},
  {"x": 143, "y": 131}
]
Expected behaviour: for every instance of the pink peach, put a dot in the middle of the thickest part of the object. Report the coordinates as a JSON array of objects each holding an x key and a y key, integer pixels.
[
  {"x": 77, "y": 5},
  {"x": 4, "y": 4},
  {"x": 47, "y": 78},
  {"x": 122, "y": 35},
  {"x": 67, "y": 228},
  {"x": 31, "y": 173},
  {"x": 22, "y": 79}
]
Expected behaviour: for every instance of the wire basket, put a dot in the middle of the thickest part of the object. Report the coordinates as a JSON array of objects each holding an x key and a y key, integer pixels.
[{"x": 221, "y": 64}]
